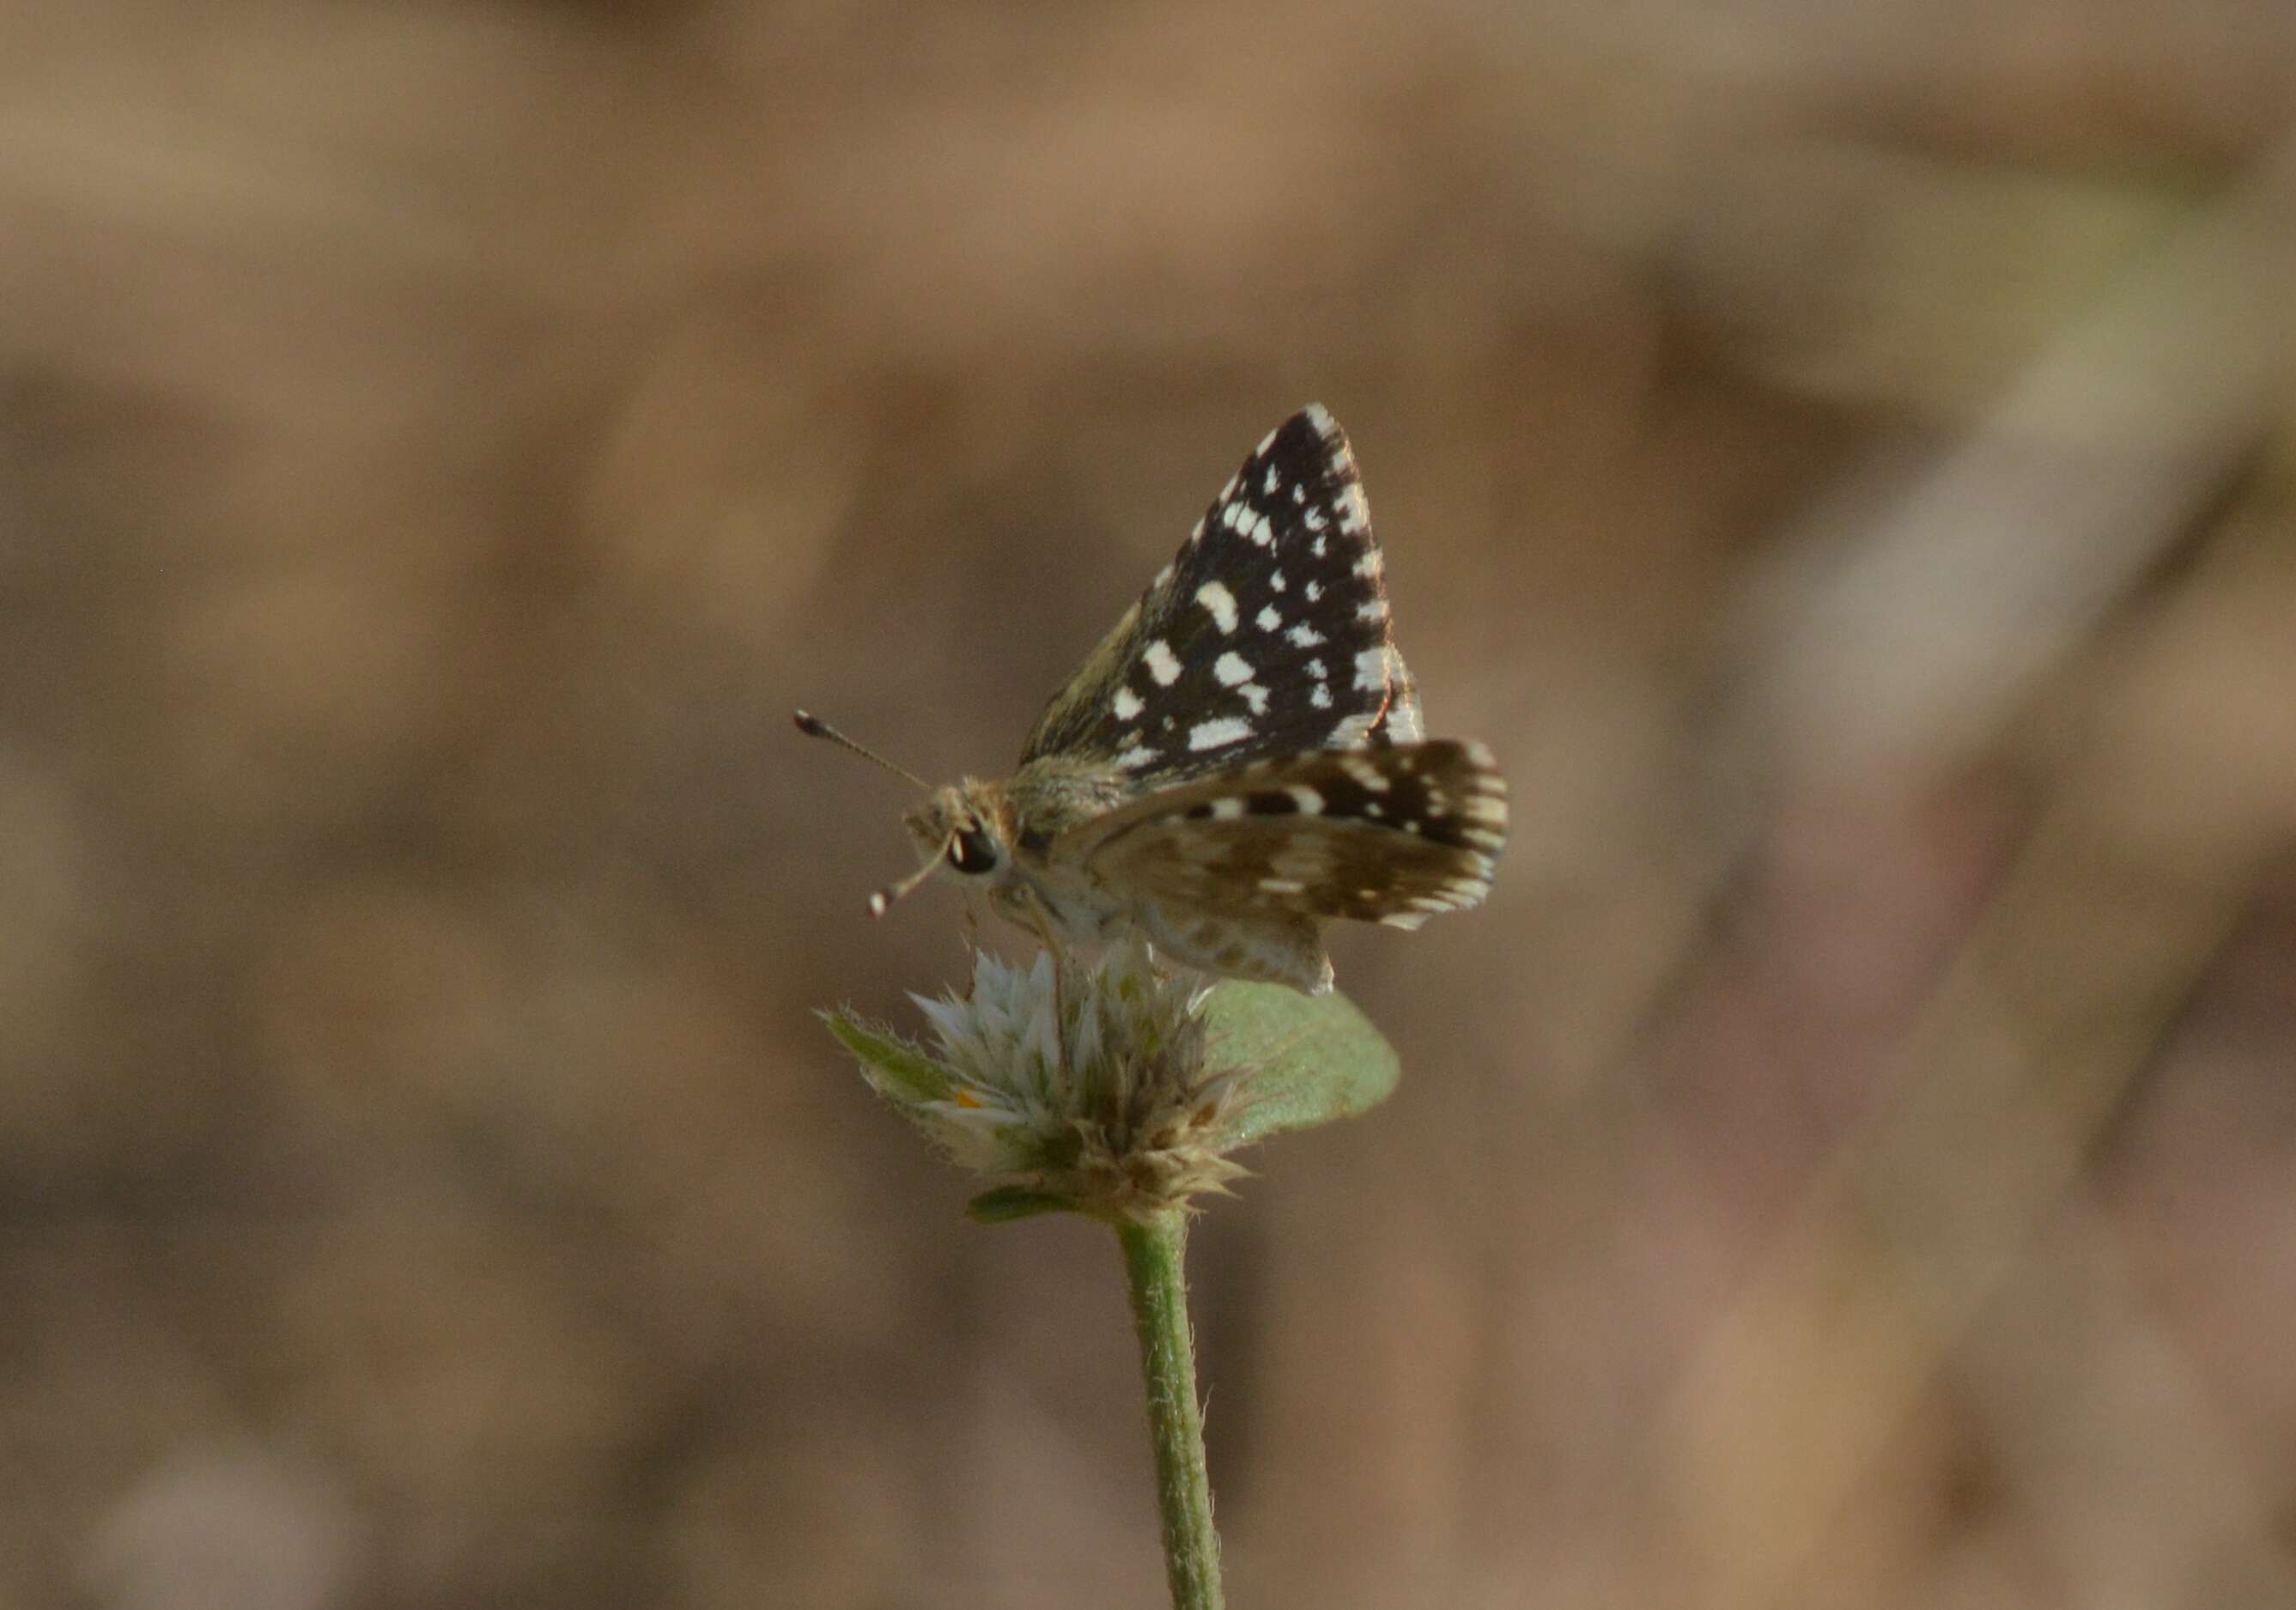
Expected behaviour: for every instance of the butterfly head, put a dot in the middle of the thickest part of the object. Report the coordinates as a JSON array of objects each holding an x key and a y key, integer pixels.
[
  {"x": 964, "y": 827},
  {"x": 967, "y": 827}
]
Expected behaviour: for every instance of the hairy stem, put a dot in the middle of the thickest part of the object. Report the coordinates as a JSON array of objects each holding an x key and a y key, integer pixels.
[{"x": 1152, "y": 1255}]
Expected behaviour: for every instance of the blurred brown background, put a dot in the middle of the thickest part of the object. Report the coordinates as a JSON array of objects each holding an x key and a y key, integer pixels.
[{"x": 1835, "y": 457}]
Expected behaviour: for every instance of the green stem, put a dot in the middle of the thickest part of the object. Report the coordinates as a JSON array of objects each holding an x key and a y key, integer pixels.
[{"x": 1153, "y": 1253}]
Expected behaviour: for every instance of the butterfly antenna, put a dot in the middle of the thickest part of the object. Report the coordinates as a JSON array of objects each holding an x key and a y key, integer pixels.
[
  {"x": 882, "y": 900},
  {"x": 814, "y": 726}
]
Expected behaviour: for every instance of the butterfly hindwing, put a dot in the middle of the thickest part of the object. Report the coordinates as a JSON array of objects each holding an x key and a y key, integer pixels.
[
  {"x": 1392, "y": 834},
  {"x": 1268, "y": 634}
]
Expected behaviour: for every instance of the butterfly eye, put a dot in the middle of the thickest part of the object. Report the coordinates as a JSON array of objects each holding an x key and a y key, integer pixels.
[{"x": 974, "y": 852}]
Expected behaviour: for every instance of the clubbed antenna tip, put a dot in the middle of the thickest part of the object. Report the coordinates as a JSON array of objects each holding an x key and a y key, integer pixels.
[{"x": 814, "y": 726}]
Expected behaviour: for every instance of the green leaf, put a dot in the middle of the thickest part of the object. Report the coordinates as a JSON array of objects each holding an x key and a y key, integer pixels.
[
  {"x": 899, "y": 1070},
  {"x": 1306, "y": 1059},
  {"x": 1007, "y": 1203}
]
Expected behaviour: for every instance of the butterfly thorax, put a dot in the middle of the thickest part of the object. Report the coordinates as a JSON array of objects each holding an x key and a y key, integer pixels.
[{"x": 1052, "y": 793}]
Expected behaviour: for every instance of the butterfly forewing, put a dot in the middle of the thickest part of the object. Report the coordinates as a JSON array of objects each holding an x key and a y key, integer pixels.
[{"x": 1267, "y": 635}]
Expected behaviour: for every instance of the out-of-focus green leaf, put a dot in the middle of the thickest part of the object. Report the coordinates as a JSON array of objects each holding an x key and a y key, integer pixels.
[
  {"x": 1305, "y": 1059},
  {"x": 900, "y": 1071}
]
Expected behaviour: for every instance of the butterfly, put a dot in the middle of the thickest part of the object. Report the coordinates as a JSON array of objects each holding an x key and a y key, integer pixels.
[{"x": 1242, "y": 759}]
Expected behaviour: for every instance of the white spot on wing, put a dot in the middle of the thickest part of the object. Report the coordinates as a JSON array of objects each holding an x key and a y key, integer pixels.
[
  {"x": 1215, "y": 596},
  {"x": 1161, "y": 664},
  {"x": 1282, "y": 886},
  {"x": 1213, "y": 735},
  {"x": 1268, "y": 619},
  {"x": 1222, "y": 810},
  {"x": 1313, "y": 520},
  {"x": 1304, "y": 635},
  {"x": 1271, "y": 481},
  {"x": 1127, "y": 704},
  {"x": 1310, "y": 802},
  {"x": 1371, "y": 669},
  {"x": 1320, "y": 696},
  {"x": 1368, "y": 777},
  {"x": 1256, "y": 697},
  {"x": 1231, "y": 668},
  {"x": 1135, "y": 757}
]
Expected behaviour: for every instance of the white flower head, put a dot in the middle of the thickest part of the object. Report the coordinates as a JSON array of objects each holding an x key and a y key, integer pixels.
[{"x": 1084, "y": 1086}]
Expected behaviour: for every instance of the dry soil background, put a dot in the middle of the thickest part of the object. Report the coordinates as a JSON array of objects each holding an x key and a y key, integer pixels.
[{"x": 1833, "y": 455}]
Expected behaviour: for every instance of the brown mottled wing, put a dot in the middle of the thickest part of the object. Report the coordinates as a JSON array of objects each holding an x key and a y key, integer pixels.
[{"x": 1391, "y": 835}]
